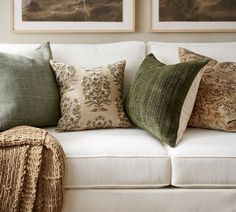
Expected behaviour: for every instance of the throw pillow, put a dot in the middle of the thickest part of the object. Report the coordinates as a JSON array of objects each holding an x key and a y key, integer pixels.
[
  {"x": 91, "y": 98},
  {"x": 161, "y": 97},
  {"x": 28, "y": 90},
  {"x": 215, "y": 106}
]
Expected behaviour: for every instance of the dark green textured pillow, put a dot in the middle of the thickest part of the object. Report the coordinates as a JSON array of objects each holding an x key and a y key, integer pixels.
[
  {"x": 161, "y": 97},
  {"x": 28, "y": 90}
]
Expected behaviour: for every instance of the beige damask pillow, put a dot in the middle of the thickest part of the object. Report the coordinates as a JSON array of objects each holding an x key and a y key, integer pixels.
[
  {"x": 91, "y": 98},
  {"x": 215, "y": 105}
]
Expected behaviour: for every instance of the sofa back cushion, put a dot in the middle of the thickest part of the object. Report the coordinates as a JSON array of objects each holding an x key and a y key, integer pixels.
[
  {"x": 92, "y": 55},
  {"x": 168, "y": 52}
]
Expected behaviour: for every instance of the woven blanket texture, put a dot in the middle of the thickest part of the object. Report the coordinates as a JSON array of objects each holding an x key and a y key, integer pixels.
[{"x": 31, "y": 171}]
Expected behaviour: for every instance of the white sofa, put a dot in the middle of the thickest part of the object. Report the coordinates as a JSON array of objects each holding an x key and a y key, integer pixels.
[{"x": 127, "y": 170}]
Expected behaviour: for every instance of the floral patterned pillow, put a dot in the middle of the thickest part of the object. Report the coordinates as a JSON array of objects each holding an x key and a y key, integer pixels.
[
  {"x": 91, "y": 98},
  {"x": 215, "y": 105}
]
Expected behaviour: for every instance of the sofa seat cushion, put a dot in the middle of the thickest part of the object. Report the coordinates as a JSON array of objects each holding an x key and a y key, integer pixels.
[
  {"x": 204, "y": 158},
  {"x": 114, "y": 158}
]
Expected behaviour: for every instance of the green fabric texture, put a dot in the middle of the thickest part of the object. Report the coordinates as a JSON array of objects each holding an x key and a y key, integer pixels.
[
  {"x": 28, "y": 90},
  {"x": 157, "y": 95}
]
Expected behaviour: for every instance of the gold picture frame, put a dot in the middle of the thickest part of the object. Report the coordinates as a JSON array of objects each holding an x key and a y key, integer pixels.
[
  {"x": 36, "y": 18},
  {"x": 156, "y": 24}
]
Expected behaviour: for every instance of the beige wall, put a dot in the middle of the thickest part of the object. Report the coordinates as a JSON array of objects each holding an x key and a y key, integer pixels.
[{"x": 141, "y": 32}]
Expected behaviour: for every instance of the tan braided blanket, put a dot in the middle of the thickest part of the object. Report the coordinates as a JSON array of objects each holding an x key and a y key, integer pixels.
[{"x": 31, "y": 171}]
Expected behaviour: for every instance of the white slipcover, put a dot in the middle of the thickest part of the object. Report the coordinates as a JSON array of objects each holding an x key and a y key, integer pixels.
[{"x": 131, "y": 158}]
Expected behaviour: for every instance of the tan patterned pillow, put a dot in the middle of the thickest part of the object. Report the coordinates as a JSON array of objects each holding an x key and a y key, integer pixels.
[
  {"x": 91, "y": 99},
  {"x": 215, "y": 105}
]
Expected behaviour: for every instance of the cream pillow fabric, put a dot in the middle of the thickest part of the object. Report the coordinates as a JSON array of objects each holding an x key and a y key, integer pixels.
[
  {"x": 215, "y": 105},
  {"x": 91, "y": 98}
]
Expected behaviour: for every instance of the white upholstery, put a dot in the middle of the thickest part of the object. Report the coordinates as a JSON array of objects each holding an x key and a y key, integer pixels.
[
  {"x": 168, "y": 52},
  {"x": 131, "y": 158},
  {"x": 204, "y": 158},
  {"x": 91, "y": 55},
  {"x": 150, "y": 200},
  {"x": 114, "y": 158}
]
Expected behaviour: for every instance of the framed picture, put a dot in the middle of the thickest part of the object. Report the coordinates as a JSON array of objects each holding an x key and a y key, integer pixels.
[
  {"x": 192, "y": 16},
  {"x": 68, "y": 16}
]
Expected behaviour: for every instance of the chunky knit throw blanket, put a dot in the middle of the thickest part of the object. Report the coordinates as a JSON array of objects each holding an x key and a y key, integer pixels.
[{"x": 31, "y": 171}]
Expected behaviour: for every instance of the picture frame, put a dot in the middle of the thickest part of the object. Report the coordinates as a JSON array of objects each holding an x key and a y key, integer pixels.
[
  {"x": 159, "y": 21},
  {"x": 56, "y": 17}
]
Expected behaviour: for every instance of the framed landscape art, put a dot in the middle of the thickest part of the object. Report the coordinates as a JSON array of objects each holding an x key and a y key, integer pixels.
[
  {"x": 192, "y": 16},
  {"x": 48, "y": 16}
]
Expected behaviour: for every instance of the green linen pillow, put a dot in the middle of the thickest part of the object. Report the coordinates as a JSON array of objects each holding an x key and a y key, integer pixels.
[
  {"x": 161, "y": 97},
  {"x": 28, "y": 90}
]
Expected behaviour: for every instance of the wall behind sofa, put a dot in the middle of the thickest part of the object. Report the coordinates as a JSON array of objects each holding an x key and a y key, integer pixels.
[{"x": 141, "y": 32}]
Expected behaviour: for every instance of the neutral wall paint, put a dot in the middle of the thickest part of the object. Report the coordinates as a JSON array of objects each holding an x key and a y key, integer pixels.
[{"x": 6, "y": 36}]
